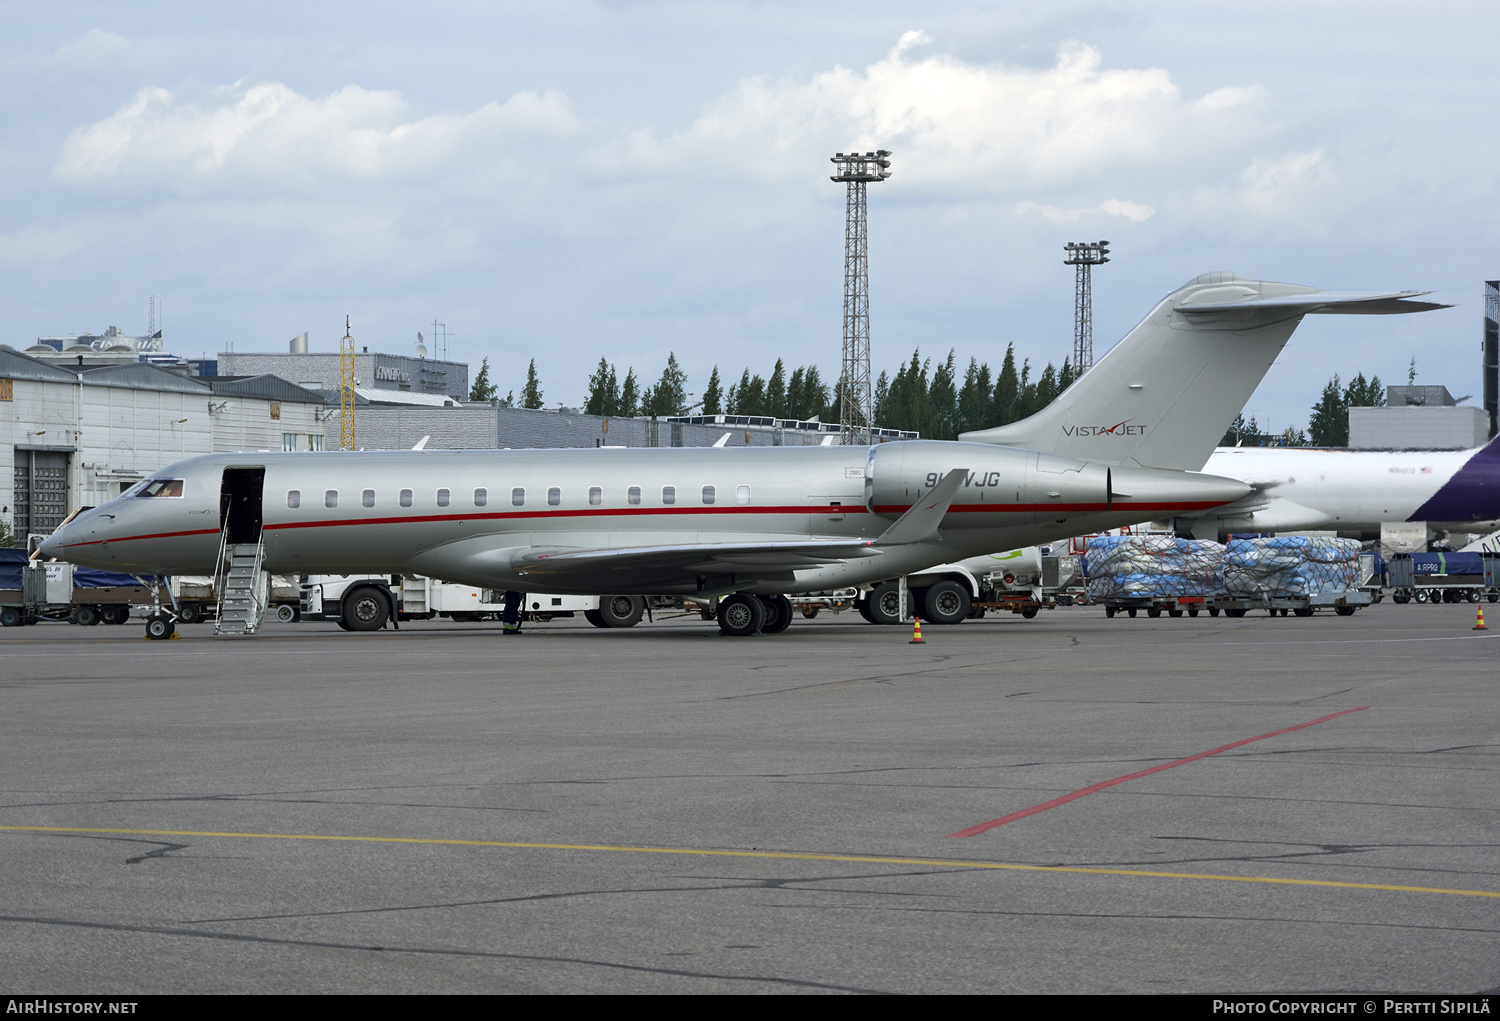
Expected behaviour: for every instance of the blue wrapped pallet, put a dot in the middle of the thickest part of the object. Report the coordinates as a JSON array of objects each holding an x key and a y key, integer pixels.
[
  {"x": 1132, "y": 567},
  {"x": 1290, "y": 566}
]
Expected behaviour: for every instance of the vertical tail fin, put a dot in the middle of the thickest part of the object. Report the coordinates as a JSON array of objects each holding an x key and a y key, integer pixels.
[{"x": 1163, "y": 396}]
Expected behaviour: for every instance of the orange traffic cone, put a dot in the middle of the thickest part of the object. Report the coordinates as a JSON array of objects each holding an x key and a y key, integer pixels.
[
  {"x": 916, "y": 633},
  {"x": 1479, "y": 624}
]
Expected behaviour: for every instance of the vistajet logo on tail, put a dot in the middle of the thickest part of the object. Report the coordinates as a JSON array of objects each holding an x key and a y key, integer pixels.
[{"x": 1118, "y": 429}]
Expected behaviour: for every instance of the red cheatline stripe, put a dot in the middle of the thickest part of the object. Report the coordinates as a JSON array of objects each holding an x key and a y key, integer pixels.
[{"x": 974, "y": 831}]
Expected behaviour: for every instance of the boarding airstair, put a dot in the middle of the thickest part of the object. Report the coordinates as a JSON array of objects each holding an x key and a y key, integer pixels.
[{"x": 241, "y": 583}]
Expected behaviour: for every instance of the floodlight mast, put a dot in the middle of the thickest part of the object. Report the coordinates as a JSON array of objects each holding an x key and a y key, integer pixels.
[
  {"x": 856, "y": 395},
  {"x": 1085, "y": 255}
]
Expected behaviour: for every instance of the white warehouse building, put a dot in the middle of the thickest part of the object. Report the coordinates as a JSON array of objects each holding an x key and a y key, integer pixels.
[{"x": 76, "y": 438}]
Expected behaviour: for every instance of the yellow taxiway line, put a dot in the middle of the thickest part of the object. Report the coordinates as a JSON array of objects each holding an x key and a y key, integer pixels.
[{"x": 783, "y": 855}]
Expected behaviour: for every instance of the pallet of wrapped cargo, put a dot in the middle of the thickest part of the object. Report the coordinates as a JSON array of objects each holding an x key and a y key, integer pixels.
[
  {"x": 1291, "y": 574},
  {"x": 1154, "y": 573}
]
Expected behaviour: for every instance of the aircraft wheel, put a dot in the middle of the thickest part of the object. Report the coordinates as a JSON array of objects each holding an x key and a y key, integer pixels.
[
  {"x": 10, "y": 616},
  {"x": 1109, "y": 611},
  {"x": 159, "y": 627},
  {"x": 885, "y": 604},
  {"x": 365, "y": 609},
  {"x": 190, "y": 613},
  {"x": 115, "y": 614},
  {"x": 592, "y": 616},
  {"x": 621, "y": 611},
  {"x": 946, "y": 602},
  {"x": 741, "y": 615},
  {"x": 88, "y": 616},
  {"x": 778, "y": 614},
  {"x": 286, "y": 613}
]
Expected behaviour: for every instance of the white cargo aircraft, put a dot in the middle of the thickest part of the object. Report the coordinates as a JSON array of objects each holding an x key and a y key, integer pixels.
[
  {"x": 748, "y": 525},
  {"x": 1165, "y": 394}
]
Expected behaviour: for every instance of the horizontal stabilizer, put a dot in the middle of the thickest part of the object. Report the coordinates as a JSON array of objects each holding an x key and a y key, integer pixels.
[
  {"x": 921, "y": 520},
  {"x": 1321, "y": 303}
]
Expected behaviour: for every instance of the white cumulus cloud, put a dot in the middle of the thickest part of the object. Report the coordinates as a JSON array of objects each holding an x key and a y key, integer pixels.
[
  {"x": 990, "y": 126},
  {"x": 268, "y": 136}
]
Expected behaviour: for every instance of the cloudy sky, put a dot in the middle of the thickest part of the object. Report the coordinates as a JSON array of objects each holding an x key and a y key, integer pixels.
[{"x": 571, "y": 180}]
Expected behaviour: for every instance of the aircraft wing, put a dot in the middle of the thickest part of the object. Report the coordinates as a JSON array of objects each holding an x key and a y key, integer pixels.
[{"x": 759, "y": 558}]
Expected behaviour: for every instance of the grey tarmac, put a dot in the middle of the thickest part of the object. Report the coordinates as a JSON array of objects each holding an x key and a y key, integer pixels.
[{"x": 446, "y": 809}]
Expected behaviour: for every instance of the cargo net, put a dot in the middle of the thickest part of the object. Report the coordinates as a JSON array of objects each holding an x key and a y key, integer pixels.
[
  {"x": 1290, "y": 565},
  {"x": 1151, "y": 567}
]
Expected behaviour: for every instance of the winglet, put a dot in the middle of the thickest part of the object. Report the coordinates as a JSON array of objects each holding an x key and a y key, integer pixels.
[{"x": 921, "y": 520}]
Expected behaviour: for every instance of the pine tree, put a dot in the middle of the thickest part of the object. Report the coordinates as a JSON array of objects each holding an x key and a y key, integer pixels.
[
  {"x": 713, "y": 396},
  {"x": 482, "y": 389},
  {"x": 815, "y": 397},
  {"x": 603, "y": 393},
  {"x": 942, "y": 402},
  {"x": 630, "y": 396},
  {"x": 669, "y": 396},
  {"x": 1329, "y": 424},
  {"x": 776, "y": 391},
  {"x": 531, "y": 394},
  {"x": 1005, "y": 406},
  {"x": 974, "y": 398}
]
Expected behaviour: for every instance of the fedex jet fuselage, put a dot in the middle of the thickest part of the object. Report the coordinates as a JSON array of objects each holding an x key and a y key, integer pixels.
[
  {"x": 594, "y": 521},
  {"x": 1354, "y": 491}
]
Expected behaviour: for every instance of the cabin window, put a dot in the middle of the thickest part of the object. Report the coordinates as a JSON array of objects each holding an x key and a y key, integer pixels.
[
  {"x": 331, "y": 498},
  {"x": 634, "y": 495},
  {"x": 742, "y": 495},
  {"x": 367, "y": 498},
  {"x": 481, "y": 497},
  {"x": 160, "y": 487},
  {"x": 668, "y": 494},
  {"x": 596, "y": 496},
  {"x": 518, "y": 497},
  {"x": 405, "y": 498},
  {"x": 294, "y": 498},
  {"x": 554, "y": 496},
  {"x": 442, "y": 498},
  {"x": 708, "y": 494}
]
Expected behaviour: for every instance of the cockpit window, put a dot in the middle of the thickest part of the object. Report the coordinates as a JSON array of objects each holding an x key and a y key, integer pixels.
[{"x": 161, "y": 487}]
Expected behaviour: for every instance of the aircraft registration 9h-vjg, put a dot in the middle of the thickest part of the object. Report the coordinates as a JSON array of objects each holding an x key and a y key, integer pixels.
[{"x": 747, "y": 525}]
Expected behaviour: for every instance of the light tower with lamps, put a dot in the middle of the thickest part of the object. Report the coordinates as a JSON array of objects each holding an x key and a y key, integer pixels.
[
  {"x": 1085, "y": 255},
  {"x": 857, "y": 397}
]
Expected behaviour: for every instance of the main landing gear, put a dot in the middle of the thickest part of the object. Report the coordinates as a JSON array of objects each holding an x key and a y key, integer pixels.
[{"x": 743, "y": 614}]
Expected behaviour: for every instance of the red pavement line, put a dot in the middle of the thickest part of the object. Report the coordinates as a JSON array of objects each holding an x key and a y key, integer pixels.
[{"x": 974, "y": 831}]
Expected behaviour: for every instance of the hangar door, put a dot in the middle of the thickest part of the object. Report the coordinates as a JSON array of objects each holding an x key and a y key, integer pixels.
[{"x": 41, "y": 493}]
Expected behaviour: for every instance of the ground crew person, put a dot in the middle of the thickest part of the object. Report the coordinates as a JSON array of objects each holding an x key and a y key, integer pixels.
[{"x": 510, "y": 619}]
